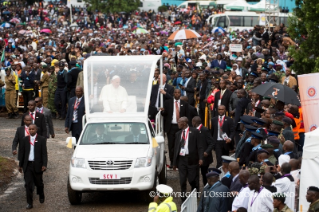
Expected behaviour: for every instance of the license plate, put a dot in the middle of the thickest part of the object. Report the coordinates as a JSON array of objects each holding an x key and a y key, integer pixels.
[{"x": 110, "y": 177}]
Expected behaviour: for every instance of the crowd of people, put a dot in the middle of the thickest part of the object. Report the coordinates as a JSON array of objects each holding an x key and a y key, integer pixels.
[{"x": 209, "y": 101}]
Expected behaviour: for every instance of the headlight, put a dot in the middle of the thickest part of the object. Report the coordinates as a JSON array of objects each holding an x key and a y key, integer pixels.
[
  {"x": 143, "y": 162},
  {"x": 78, "y": 162}
]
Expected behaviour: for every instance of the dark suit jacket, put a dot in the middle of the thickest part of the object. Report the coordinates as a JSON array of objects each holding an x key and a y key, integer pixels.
[
  {"x": 195, "y": 147},
  {"x": 203, "y": 90},
  {"x": 240, "y": 109},
  {"x": 244, "y": 154},
  {"x": 20, "y": 134},
  {"x": 169, "y": 93},
  {"x": 48, "y": 121},
  {"x": 208, "y": 144},
  {"x": 69, "y": 115},
  {"x": 141, "y": 138},
  {"x": 224, "y": 101},
  {"x": 236, "y": 185},
  {"x": 105, "y": 138},
  {"x": 40, "y": 153},
  {"x": 228, "y": 128},
  {"x": 169, "y": 110},
  {"x": 215, "y": 64},
  {"x": 191, "y": 113},
  {"x": 39, "y": 122},
  {"x": 190, "y": 91}
]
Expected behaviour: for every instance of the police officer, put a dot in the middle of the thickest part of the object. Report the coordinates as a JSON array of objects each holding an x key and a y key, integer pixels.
[
  {"x": 227, "y": 178},
  {"x": 52, "y": 88},
  {"x": 44, "y": 84},
  {"x": 61, "y": 91},
  {"x": 10, "y": 95},
  {"x": 167, "y": 204}
]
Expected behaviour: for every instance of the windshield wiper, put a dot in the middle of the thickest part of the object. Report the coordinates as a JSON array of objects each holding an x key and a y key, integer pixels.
[
  {"x": 135, "y": 143},
  {"x": 106, "y": 143}
]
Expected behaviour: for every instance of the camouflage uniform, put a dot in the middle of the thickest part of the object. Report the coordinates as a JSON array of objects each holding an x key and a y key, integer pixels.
[{"x": 52, "y": 87}]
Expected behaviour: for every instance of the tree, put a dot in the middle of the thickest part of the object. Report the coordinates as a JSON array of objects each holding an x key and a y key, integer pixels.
[
  {"x": 113, "y": 6},
  {"x": 304, "y": 26}
]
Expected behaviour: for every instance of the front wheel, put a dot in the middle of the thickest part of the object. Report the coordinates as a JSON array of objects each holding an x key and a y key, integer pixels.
[
  {"x": 163, "y": 174},
  {"x": 74, "y": 196}
]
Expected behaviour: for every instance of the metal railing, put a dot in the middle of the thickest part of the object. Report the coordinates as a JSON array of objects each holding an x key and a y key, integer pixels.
[{"x": 190, "y": 204}]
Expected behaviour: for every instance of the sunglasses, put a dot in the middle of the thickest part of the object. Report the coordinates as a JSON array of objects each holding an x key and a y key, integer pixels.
[{"x": 36, "y": 101}]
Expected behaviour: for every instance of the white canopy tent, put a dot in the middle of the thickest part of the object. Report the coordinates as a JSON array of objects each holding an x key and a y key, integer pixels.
[
  {"x": 309, "y": 167},
  {"x": 237, "y": 5}
]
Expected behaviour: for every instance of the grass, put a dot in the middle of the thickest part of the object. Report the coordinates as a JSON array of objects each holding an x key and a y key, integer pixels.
[{"x": 7, "y": 168}]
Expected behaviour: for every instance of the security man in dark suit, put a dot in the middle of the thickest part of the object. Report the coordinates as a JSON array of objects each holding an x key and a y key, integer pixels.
[
  {"x": 36, "y": 118},
  {"x": 136, "y": 136},
  {"x": 189, "y": 87},
  {"x": 76, "y": 110},
  {"x": 208, "y": 144},
  {"x": 167, "y": 92},
  {"x": 61, "y": 91},
  {"x": 191, "y": 112},
  {"x": 222, "y": 97},
  {"x": 188, "y": 155},
  {"x": 202, "y": 88},
  {"x": 99, "y": 136},
  {"x": 223, "y": 133},
  {"x": 21, "y": 132},
  {"x": 33, "y": 162},
  {"x": 172, "y": 111}
]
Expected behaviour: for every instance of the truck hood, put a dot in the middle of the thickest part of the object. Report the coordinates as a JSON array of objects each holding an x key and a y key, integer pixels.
[{"x": 111, "y": 151}]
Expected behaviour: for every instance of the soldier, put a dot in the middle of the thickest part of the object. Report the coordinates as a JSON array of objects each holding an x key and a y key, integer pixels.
[
  {"x": 44, "y": 84},
  {"x": 10, "y": 95},
  {"x": 51, "y": 89}
]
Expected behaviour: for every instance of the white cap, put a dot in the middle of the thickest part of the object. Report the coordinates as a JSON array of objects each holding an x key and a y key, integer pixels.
[
  {"x": 283, "y": 159},
  {"x": 239, "y": 59},
  {"x": 164, "y": 189},
  {"x": 203, "y": 57}
]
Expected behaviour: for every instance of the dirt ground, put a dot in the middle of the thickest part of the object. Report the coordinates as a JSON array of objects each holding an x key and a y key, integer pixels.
[{"x": 13, "y": 197}]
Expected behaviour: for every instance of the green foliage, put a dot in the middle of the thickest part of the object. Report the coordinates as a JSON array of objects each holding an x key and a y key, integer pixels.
[
  {"x": 304, "y": 26},
  {"x": 162, "y": 8},
  {"x": 113, "y": 6}
]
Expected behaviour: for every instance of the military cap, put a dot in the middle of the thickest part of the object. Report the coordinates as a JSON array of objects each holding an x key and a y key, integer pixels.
[
  {"x": 214, "y": 170},
  {"x": 273, "y": 133},
  {"x": 273, "y": 140},
  {"x": 257, "y": 135},
  {"x": 250, "y": 128},
  {"x": 258, "y": 120},
  {"x": 212, "y": 174},
  {"x": 276, "y": 122},
  {"x": 313, "y": 188},
  {"x": 246, "y": 120},
  {"x": 262, "y": 151},
  {"x": 267, "y": 146},
  {"x": 228, "y": 159}
]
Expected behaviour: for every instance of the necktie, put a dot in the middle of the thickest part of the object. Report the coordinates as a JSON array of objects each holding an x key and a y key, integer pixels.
[
  {"x": 32, "y": 118},
  {"x": 183, "y": 141},
  {"x": 75, "y": 115},
  {"x": 177, "y": 110},
  {"x": 220, "y": 126}
]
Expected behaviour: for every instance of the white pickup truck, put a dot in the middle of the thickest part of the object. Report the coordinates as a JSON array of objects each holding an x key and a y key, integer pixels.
[{"x": 119, "y": 149}]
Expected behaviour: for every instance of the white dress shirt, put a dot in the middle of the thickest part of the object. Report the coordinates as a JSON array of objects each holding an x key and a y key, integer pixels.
[
  {"x": 31, "y": 154},
  {"x": 174, "y": 121},
  {"x": 261, "y": 203},
  {"x": 242, "y": 199},
  {"x": 186, "y": 140},
  {"x": 219, "y": 137}
]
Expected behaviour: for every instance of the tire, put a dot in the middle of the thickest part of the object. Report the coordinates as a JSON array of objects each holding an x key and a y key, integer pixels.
[
  {"x": 74, "y": 196},
  {"x": 163, "y": 174},
  {"x": 146, "y": 197}
]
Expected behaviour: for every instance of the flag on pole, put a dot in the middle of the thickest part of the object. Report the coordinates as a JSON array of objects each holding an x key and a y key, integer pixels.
[{"x": 69, "y": 143}]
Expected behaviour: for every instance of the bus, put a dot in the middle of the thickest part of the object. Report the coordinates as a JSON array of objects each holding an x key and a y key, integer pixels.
[
  {"x": 241, "y": 20},
  {"x": 204, "y": 4}
]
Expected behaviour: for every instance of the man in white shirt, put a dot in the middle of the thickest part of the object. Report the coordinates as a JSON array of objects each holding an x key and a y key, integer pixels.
[
  {"x": 114, "y": 96},
  {"x": 260, "y": 199},
  {"x": 285, "y": 184}
]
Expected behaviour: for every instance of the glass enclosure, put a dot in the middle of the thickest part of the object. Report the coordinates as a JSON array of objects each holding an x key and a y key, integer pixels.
[
  {"x": 118, "y": 84},
  {"x": 115, "y": 133}
]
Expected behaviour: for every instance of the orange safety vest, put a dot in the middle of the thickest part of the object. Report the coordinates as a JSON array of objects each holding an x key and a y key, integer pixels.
[
  {"x": 299, "y": 125},
  {"x": 302, "y": 126}
]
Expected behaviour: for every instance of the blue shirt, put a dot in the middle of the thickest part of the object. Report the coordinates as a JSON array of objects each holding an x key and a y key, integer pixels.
[{"x": 256, "y": 147}]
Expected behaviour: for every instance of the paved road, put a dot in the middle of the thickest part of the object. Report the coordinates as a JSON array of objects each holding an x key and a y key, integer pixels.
[{"x": 55, "y": 180}]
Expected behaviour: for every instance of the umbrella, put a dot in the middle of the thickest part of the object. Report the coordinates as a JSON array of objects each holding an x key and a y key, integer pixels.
[
  {"x": 178, "y": 22},
  {"x": 15, "y": 20},
  {"x": 140, "y": 31},
  {"x": 22, "y": 32},
  {"x": 218, "y": 29},
  {"x": 164, "y": 32},
  {"x": 88, "y": 31},
  {"x": 7, "y": 25},
  {"x": 277, "y": 91},
  {"x": 45, "y": 31},
  {"x": 6, "y": 12},
  {"x": 183, "y": 34},
  {"x": 125, "y": 26}
]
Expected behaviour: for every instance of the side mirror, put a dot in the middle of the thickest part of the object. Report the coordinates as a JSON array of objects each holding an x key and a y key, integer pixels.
[
  {"x": 159, "y": 139},
  {"x": 72, "y": 140}
]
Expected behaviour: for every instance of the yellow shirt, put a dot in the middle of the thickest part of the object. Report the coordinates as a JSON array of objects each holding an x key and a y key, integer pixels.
[{"x": 167, "y": 206}]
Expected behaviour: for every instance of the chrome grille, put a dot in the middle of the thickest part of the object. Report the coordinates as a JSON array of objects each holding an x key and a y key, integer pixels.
[
  {"x": 98, "y": 181},
  {"x": 117, "y": 165}
]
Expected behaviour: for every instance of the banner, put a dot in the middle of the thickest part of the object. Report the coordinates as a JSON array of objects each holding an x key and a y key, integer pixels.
[
  {"x": 235, "y": 47},
  {"x": 309, "y": 96}
]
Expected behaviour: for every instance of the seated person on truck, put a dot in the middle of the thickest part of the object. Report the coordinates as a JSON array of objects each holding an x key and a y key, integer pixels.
[
  {"x": 99, "y": 135},
  {"x": 136, "y": 135}
]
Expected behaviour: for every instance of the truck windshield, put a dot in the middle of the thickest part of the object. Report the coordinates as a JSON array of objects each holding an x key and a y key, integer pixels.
[{"x": 115, "y": 133}]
